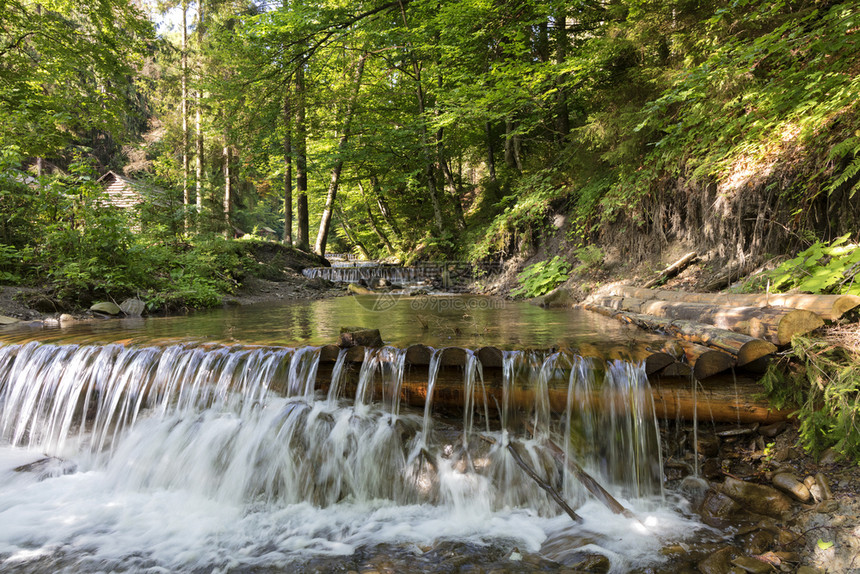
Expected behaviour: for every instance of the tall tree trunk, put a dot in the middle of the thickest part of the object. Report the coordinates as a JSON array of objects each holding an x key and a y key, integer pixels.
[
  {"x": 562, "y": 111},
  {"x": 325, "y": 220},
  {"x": 228, "y": 187},
  {"x": 288, "y": 170},
  {"x": 430, "y": 169},
  {"x": 198, "y": 117},
  {"x": 351, "y": 237},
  {"x": 379, "y": 233},
  {"x": 303, "y": 233},
  {"x": 491, "y": 152},
  {"x": 512, "y": 146},
  {"x": 186, "y": 168},
  {"x": 383, "y": 207}
]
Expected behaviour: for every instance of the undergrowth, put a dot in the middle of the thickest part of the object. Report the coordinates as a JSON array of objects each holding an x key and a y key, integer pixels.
[{"x": 822, "y": 381}]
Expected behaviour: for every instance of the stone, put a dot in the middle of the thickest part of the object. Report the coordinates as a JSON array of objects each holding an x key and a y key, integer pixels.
[
  {"x": 360, "y": 336},
  {"x": 106, "y": 308},
  {"x": 694, "y": 489},
  {"x": 828, "y": 457},
  {"x": 718, "y": 562},
  {"x": 809, "y": 570},
  {"x": 758, "y": 542},
  {"x": 132, "y": 307},
  {"x": 752, "y": 565},
  {"x": 791, "y": 485},
  {"x": 772, "y": 430},
  {"x": 719, "y": 510},
  {"x": 4, "y": 320},
  {"x": 356, "y": 289},
  {"x": 707, "y": 444},
  {"x": 66, "y": 318},
  {"x": 756, "y": 498},
  {"x": 824, "y": 485},
  {"x": 827, "y": 506},
  {"x": 593, "y": 563},
  {"x": 712, "y": 468}
]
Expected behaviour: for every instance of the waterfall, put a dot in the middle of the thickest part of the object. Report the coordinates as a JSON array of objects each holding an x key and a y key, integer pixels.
[{"x": 247, "y": 434}]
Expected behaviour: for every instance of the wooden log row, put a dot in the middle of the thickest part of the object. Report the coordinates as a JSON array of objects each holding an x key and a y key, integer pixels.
[
  {"x": 828, "y": 307},
  {"x": 775, "y": 324},
  {"x": 723, "y": 398},
  {"x": 655, "y": 360},
  {"x": 744, "y": 348}
]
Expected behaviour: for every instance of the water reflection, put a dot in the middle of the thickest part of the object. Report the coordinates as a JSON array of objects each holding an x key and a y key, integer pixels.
[{"x": 438, "y": 321}]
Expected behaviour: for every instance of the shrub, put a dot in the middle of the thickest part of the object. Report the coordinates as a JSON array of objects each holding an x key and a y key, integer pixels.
[{"x": 542, "y": 277}]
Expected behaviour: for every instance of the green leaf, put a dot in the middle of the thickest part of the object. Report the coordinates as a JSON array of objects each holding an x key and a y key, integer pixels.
[{"x": 824, "y": 545}]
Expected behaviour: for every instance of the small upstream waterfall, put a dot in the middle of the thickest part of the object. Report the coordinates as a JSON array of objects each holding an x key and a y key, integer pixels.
[{"x": 266, "y": 450}]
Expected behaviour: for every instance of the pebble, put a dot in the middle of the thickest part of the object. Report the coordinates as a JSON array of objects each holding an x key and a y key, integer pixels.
[
  {"x": 772, "y": 430},
  {"x": 809, "y": 570}
]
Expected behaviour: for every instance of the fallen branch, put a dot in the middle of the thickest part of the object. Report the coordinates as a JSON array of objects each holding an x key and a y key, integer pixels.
[
  {"x": 554, "y": 494},
  {"x": 673, "y": 269},
  {"x": 590, "y": 484}
]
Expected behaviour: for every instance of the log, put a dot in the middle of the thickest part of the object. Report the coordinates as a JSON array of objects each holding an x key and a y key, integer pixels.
[
  {"x": 707, "y": 362},
  {"x": 673, "y": 269},
  {"x": 829, "y": 307},
  {"x": 775, "y": 324},
  {"x": 721, "y": 398},
  {"x": 747, "y": 349}
]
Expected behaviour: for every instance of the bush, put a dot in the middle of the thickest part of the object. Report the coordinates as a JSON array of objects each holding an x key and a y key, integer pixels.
[
  {"x": 542, "y": 277},
  {"x": 823, "y": 381}
]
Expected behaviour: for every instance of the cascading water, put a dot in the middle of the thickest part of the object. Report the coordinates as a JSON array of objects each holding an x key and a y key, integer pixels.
[{"x": 232, "y": 458}]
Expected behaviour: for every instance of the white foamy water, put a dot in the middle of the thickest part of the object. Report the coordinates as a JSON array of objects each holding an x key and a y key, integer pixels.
[{"x": 187, "y": 460}]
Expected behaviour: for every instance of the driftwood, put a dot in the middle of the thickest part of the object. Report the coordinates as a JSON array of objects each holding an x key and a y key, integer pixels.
[
  {"x": 673, "y": 269},
  {"x": 775, "y": 324},
  {"x": 745, "y": 348},
  {"x": 828, "y": 307}
]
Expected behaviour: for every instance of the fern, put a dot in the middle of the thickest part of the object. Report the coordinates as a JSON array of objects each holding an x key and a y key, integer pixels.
[{"x": 849, "y": 147}]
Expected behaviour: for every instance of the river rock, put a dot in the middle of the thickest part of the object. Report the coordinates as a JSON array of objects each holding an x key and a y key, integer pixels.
[
  {"x": 4, "y": 320},
  {"x": 757, "y": 498},
  {"x": 809, "y": 570},
  {"x": 106, "y": 308},
  {"x": 791, "y": 485},
  {"x": 752, "y": 565},
  {"x": 132, "y": 307},
  {"x": 48, "y": 467},
  {"x": 758, "y": 541},
  {"x": 593, "y": 563},
  {"x": 828, "y": 457},
  {"x": 360, "y": 336},
  {"x": 772, "y": 430},
  {"x": 706, "y": 444},
  {"x": 65, "y": 319},
  {"x": 719, "y": 562},
  {"x": 824, "y": 486},
  {"x": 719, "y": 510},
  {"x": 356, "y": 289}
]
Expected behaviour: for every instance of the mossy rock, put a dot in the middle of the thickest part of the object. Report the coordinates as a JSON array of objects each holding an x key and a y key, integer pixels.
[{"x": 106, "y": 308}]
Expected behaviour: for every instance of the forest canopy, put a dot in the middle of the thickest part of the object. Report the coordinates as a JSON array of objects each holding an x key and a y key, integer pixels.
[{"x": 416, "y": 129}]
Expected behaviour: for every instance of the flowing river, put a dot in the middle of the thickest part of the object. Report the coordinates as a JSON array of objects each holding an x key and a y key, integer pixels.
[{"x": 227, "y": 441}]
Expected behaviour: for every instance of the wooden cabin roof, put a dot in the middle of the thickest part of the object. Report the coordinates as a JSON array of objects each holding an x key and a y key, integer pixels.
[{"x": 125, "y": 192}]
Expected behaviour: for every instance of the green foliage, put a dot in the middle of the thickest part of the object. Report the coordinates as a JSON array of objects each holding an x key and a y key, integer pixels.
[
  {"x": 821, "y": 268},
  {"x": 542, "y": 277},
  {"x": 590, "y": 257},
  {"x": 823, "y": 382}
]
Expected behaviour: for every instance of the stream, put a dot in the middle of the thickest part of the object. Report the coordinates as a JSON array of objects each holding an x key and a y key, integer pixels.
[{"x": 221, "y": 442}]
